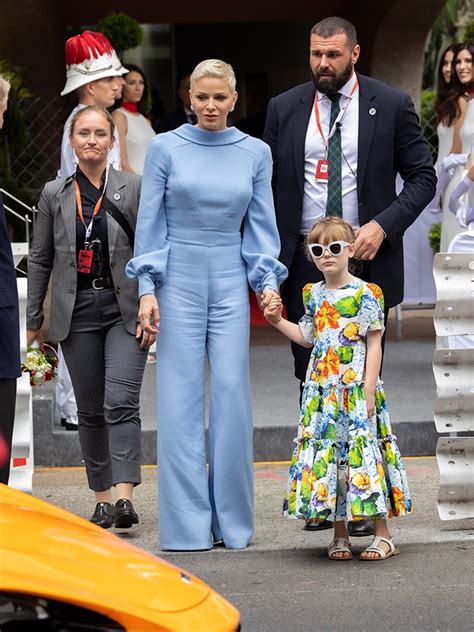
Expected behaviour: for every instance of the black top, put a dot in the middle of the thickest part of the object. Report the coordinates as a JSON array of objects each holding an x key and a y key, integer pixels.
[{"x": 89, "y": 196}]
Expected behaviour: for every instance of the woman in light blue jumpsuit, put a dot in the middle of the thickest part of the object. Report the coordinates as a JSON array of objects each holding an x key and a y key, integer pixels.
[{"x": 206, "y": 226}]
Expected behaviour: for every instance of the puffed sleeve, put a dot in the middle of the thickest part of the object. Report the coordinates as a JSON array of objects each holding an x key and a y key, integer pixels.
[
  {"x": 260, "y": 241},
  {"x": 306, "y": 322},
  {"x": 371, "y": 310},
  {"x": 151, "y": 236}
]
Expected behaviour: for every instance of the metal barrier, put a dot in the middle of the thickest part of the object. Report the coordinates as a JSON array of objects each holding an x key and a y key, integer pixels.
[{"x": 453, "y": 369}]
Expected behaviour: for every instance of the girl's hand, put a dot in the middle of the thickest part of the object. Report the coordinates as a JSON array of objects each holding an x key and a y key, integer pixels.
[
  {"x": 370, "y": 402},
  {"x": 274, "y": 310},
  {"x": 149, "y": 314},
  {"x": 146, "y": 339}
]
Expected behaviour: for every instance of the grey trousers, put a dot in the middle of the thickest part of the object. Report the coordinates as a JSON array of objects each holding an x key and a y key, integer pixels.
[{"x": 106, "y": 366}]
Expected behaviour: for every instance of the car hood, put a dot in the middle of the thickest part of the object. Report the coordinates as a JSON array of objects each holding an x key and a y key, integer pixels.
[{"x": 50, "y": 552}]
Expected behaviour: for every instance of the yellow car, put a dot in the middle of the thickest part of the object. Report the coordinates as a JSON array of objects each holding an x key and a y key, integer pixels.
[{"x": 64, "y": 573}]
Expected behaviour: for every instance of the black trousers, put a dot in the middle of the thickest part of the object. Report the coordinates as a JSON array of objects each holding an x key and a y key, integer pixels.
[
  {"x": 303, "y": 271},
  {"x": 7, "y": 417}
]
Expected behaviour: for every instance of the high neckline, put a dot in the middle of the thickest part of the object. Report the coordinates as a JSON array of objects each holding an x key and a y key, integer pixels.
[{"x": 228, "y": 136}]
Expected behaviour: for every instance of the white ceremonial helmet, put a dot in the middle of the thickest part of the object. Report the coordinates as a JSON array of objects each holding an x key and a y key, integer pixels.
[{"x": 90, "y": 56}]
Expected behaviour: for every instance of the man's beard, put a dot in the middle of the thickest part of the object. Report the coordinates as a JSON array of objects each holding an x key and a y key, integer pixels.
[{"x": 334, "y": 83}]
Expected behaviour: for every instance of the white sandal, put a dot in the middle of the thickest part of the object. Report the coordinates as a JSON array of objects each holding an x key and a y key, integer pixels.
[
  {"x": 375, "y": 548},
  {"x": 339, "y": 545}
]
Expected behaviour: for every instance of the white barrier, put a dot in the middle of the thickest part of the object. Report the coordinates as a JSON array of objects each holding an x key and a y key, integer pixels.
[
  {"x": 22, "y": 462},
  {"x": 453, "y": 369}
]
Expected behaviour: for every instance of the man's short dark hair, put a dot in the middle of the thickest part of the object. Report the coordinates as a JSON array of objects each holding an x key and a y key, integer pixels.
[{"x": 335, "y": 26}]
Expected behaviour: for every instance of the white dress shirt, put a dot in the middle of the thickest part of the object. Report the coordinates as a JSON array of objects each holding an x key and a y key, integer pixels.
[
  {"x": 69, "y": 158},
  {"x": 315, "y": 192}
]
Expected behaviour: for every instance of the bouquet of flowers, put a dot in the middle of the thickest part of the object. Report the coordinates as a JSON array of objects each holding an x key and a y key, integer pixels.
[{"x": 41, "y": 364}]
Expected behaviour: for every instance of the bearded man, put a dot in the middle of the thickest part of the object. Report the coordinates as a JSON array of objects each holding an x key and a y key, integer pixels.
[{"x": 338, "y": 143}]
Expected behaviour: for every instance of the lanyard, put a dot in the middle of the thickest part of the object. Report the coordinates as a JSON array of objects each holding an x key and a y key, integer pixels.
[
  {"x": 339, "y": 118},
  {"x": 96, "y": 207}
]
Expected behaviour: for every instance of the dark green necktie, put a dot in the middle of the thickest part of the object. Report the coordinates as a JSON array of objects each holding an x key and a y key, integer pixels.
[{"x": 334, "y": 201}]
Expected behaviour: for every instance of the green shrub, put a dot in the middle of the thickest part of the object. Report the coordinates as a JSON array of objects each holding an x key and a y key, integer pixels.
[
  {"x": 434, "y": 237},
  {"x": 123, "y": 31},
  {"x": 469, "y": 32}
]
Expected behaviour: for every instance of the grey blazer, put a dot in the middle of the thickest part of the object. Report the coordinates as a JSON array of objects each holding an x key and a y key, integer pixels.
[{"x": 53, "y": 253}]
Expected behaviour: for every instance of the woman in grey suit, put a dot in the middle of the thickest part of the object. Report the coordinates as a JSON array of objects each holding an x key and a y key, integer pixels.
[{"x": 83, "y": 239}]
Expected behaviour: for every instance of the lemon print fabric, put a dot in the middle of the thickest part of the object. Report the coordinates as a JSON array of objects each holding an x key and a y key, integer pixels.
[{"x": 345, "y": 465}]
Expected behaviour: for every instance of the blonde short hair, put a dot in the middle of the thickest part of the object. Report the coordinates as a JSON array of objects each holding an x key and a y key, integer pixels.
[{"x": 214, "y": 68}]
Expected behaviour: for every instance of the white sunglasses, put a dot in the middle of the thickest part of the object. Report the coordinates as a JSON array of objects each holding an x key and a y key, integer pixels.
[{"x": 335, "y": 249}]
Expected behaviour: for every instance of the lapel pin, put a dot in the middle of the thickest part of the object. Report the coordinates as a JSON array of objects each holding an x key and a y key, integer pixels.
[
  {"x": 372, "y": 111},
  {"x": 117, "y": 195}
]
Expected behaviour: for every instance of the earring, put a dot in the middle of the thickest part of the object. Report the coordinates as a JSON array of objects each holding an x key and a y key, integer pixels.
[
  {"x": 231, "y": 109},
  {"x": 191, "y": 107}
]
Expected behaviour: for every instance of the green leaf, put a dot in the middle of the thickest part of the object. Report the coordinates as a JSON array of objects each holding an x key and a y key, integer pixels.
[
  {"x": 330, "y": 432},
  {"x": 370, "y": 505},
  {"x": 390, "y": 454},
  {"x": 355, "y": 457},
  {"x": 305, "y": 490},
  {"x": 345, "y": 354},
  {"x": 320, "y": 468},
  {"x": 347, "y": 306},
  {"x": 356, "y": 507}
]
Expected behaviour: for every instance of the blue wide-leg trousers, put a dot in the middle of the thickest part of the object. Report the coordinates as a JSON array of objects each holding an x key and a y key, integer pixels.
[{"x": 204, "y": 311}]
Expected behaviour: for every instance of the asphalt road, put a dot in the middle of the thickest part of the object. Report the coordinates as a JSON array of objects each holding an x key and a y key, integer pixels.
[{"x": 284, "y": 582}]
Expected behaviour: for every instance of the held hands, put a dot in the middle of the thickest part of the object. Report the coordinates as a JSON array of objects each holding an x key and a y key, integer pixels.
[
  {"x": 264, "y": 299},
  {"x": 273, "y": 310},
  {"x": 369, "y": 238},
  {"x": 149, "y": 317}
]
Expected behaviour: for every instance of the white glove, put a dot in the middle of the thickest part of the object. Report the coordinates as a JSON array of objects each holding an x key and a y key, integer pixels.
[
  {"x": 462, "y": 188},
  {"x": 454, "y": 160}
]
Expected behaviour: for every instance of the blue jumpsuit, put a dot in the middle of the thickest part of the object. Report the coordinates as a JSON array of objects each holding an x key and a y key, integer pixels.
[{"x": 206, "y": 226}]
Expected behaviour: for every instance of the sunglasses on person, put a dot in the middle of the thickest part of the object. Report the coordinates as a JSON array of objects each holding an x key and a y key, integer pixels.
[{"x": 335, "y": 249}]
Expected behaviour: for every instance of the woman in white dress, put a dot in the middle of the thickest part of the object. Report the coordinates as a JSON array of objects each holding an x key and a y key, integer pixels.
[
  {"x": 134, "y": 129},
  {"x": 463, "y": 133}
]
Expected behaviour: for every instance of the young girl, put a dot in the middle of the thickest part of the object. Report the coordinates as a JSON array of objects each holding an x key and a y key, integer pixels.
[{"x": 346, "y": 464}]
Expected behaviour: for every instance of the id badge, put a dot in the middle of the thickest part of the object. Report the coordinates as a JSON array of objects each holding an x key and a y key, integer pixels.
[
  {"x": 321, "y": 174},
  {"x": 84, "y": 261}
]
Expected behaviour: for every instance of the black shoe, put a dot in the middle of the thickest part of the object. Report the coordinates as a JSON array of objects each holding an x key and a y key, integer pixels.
[
  {"x": 103, "y": 515},
  {"x": 313, "y": 524},
  {"x": 360, "y": 528},
  {"x": 125, "y": 515}
]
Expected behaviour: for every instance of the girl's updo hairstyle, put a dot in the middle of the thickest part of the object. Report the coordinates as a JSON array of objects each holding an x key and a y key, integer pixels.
[
  {"x": 214, "y": 68},
  {"x": 93, "y": 108}
]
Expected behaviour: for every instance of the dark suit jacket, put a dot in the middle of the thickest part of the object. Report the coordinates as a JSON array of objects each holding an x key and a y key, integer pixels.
[
  {"x": 172, "y": 120},
  {"x": 53, "y": 253},
  {"x": 390, "y": 142},
  {"x": 9, "y": 316}
]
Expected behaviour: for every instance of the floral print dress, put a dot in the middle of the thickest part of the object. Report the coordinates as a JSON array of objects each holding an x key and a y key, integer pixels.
[{"x": 345, "y": 466}]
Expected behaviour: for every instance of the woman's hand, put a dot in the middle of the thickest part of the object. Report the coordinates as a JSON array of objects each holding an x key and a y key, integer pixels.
[
  {"x": 265, "y": 297},
  {"x": 149, "y": 314},
  {"x": 146, "y": 339},
  {"x": 370, "y": 402},
  {"x": 32, "y": 335}
]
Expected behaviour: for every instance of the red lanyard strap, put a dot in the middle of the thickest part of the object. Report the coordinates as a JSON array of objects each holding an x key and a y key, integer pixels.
[{"x": 318, "y": 119}]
